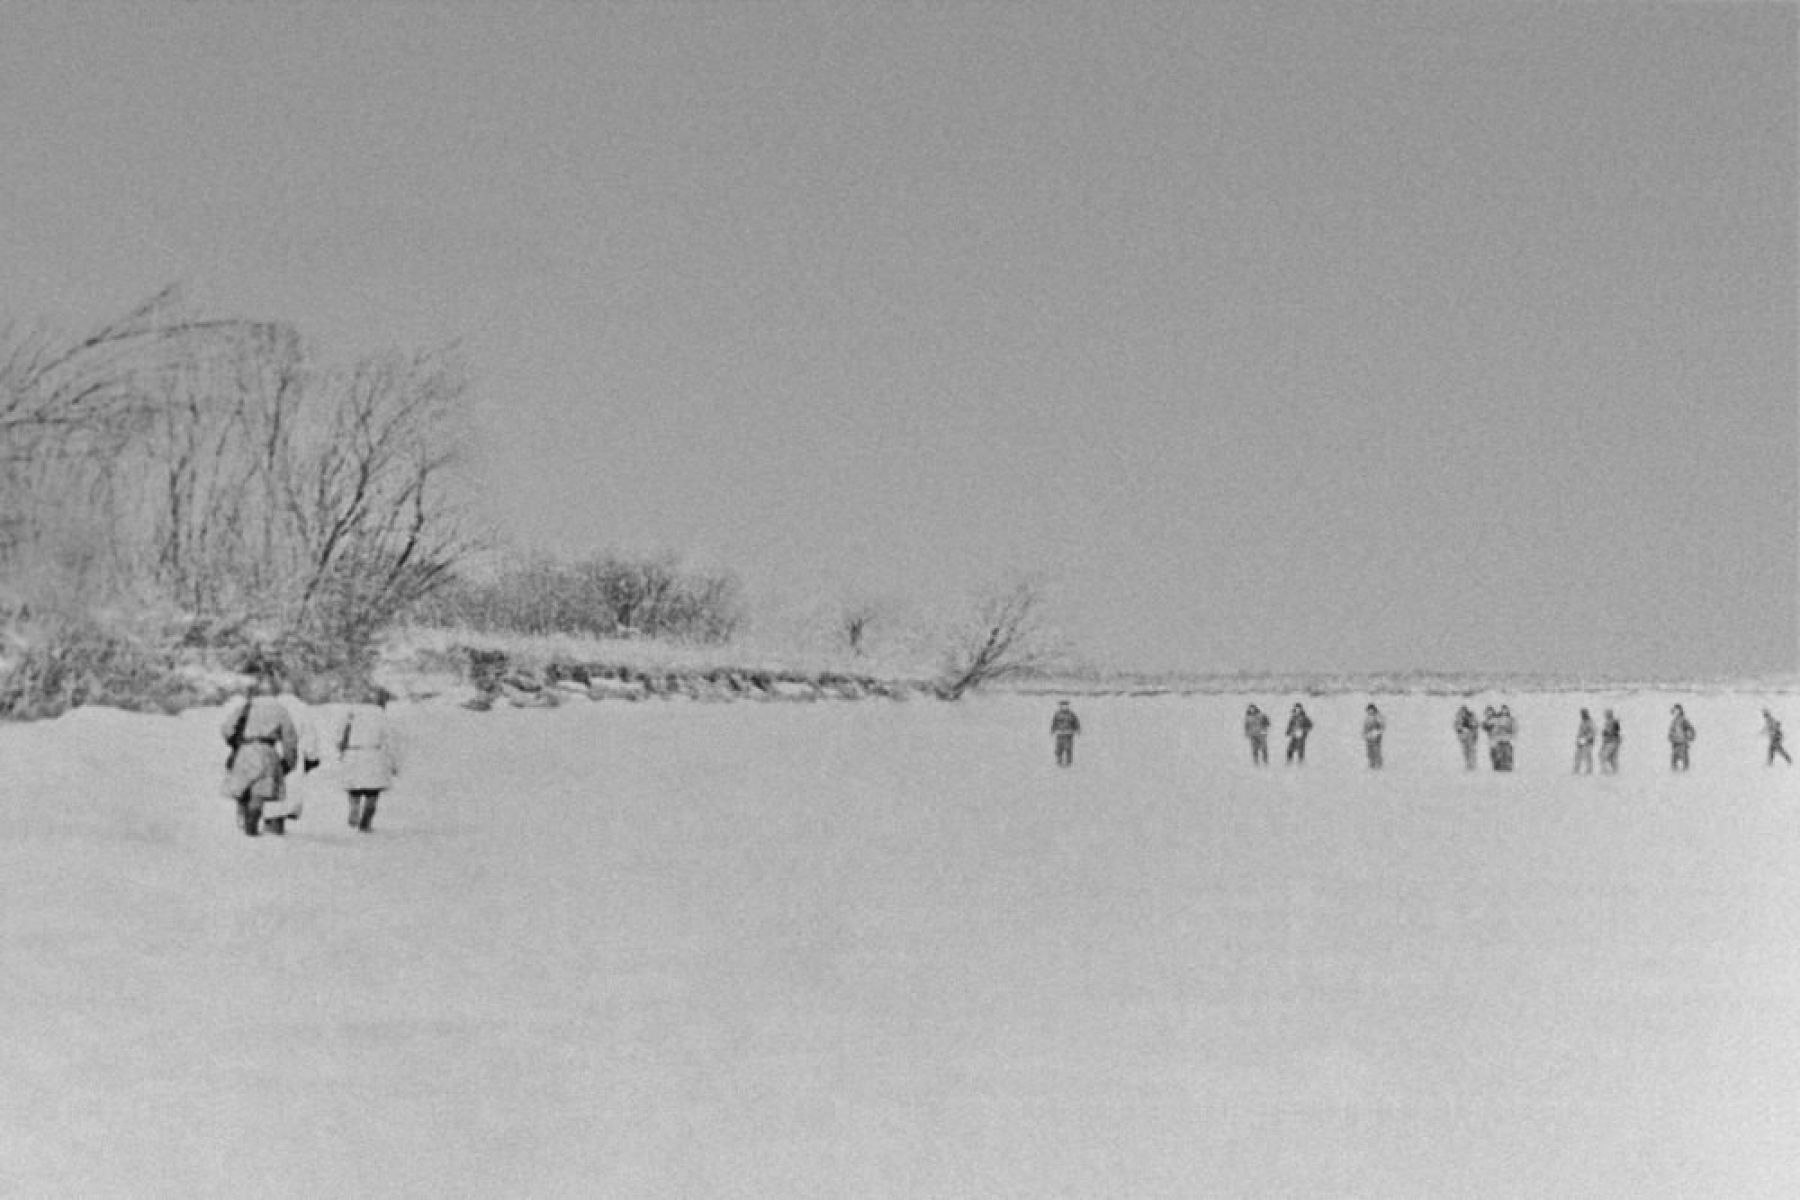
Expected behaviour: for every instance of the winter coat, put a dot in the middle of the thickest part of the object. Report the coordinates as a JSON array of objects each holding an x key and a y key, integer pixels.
[
  {"x": 1373, "y": 727},
  {"x": 1256, "y": 725},
  {"x": 1612, "y": 733},
  {"x": 1681, "y": 732},
  {"x": 1584, "y": 733},
  {"x": 267, "y": 749},
  {"x": 1298, "y": 726},
  {"x": 363, "y": 741}
]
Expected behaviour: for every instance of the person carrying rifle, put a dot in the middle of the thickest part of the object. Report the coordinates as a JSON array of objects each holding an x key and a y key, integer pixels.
[{"x": 265, "y": 746}]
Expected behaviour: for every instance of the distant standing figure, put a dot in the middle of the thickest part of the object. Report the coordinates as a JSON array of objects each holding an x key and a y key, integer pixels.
[
  {"x": 1584, "y": 745},
  {"x": 366, "y": 761},
  {"x": 1298, "y": 726},
  {"x": 1374, "y": 725},
  {"x": 1468, "y": 733},
  {"x": 1772, "y": 731},
  {"x": 1681, "y": 738},
  {"x": 1509, "y": 730},
  {"x": 1256, "y": 728},
  {"x": 264, "y": 747},
  {"x": 1063, "y": 727},
  {"x": 1500, "y": 728},
  {"x": 1611, "y": 735}
]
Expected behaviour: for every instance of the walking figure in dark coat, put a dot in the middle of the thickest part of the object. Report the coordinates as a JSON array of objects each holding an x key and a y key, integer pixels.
[
  {"x": 1584, "y": 745},
  {"x": 1063, "y": 727},
  {"x": 1256, "y": 728},
  {"x": 1298, "y": 726},
  {"x": 1468, "y": 734},
  {"x": 1681, "y": 738},
  {"x": 1772, "y": 731},
  {"x": 1374, "y": 725},
  {"x": 1611, "y": 735},
  {"x": 1500, "y": 728}
]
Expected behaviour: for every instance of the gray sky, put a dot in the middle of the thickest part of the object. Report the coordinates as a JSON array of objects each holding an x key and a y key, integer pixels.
[{"x": 1313, "y": 336}]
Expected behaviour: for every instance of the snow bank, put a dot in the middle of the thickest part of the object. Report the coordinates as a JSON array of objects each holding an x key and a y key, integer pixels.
[{"x": 890, "y": 950}]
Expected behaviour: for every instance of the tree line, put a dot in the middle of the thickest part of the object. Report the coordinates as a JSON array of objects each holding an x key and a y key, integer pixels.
[
  {"x": 174, "y": 482},
  {"x": 170, "y": 480}
]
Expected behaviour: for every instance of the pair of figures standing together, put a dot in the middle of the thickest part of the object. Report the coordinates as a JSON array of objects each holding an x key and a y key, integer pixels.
[
  {"x": 1501, "y": 728},
  {"x": 1256, "y": 728},
  {"x": 266, "y": 746}
]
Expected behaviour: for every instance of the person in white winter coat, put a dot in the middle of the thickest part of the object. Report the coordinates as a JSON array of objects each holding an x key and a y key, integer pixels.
[{"x": 366, "y": 762}]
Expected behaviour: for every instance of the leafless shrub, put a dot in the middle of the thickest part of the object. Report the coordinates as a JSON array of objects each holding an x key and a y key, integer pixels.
[{"x": 1003, "y": 635}]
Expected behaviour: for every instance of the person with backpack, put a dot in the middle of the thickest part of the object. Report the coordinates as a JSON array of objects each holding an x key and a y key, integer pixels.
[
  {"x": 1298, "y": 726},
  {"x": 366, "y": 762},
  {"x": 1256, "y": 728},
  {"x": 265, "y": 745},
  {"x": 1681, "y": 739},
  {"x": 1064, "y": 725}
]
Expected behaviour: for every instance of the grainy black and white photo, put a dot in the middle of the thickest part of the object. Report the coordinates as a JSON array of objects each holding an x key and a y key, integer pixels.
[{"x": 917, "y": 600}]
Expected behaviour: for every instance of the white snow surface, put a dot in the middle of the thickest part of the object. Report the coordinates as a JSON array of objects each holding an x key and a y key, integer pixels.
[{"x": 880, "y": 949}]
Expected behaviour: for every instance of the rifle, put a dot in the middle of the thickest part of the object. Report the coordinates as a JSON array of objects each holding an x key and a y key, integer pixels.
[{"x": 236, "y": 737}]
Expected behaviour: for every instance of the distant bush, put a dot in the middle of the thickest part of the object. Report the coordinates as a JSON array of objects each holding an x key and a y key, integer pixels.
[
  {"x": 606, "y": 596},
  {"x": 88, "y": 664}
]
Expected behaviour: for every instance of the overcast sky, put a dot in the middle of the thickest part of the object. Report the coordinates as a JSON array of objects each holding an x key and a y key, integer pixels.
[{"x": 1324, "y": 336}]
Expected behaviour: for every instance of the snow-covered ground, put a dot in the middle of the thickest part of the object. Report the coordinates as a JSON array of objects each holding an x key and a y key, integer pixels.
[{"x": 887, "y": 949}]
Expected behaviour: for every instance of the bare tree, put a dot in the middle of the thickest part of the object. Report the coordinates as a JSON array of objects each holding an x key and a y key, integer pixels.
[
  {"x": 362, "y": 490},
  {"x": 216, "y": 465},
  {"x": 1004, "y": 635},
  {"x": 73, "y": 409}
]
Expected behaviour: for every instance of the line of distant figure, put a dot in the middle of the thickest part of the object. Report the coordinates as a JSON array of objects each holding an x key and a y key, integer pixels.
[{"x": 1497, "y": 723}]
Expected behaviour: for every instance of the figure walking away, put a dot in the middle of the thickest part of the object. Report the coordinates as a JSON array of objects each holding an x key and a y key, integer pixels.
[
  {"x": 366, "y": 760},
  {"x": 1681, "y": 738},
  {"x": 1468, "y": 734},
  {"x": 264, "y": 747},
  {"x": 1610, "y": 736},
  {"x": 1374, "y": 725},
  {"x": 1298, "y": 726},
  {"x": 1256, "y": 728},
  {"x": 1064, "y": 725},
  {"x": 1772, "y": 731},
  {"x": 1584, "y": 744}
]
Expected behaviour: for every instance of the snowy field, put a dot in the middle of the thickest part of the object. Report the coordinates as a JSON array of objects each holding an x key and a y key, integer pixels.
[{"x": 888, "y": 950}]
